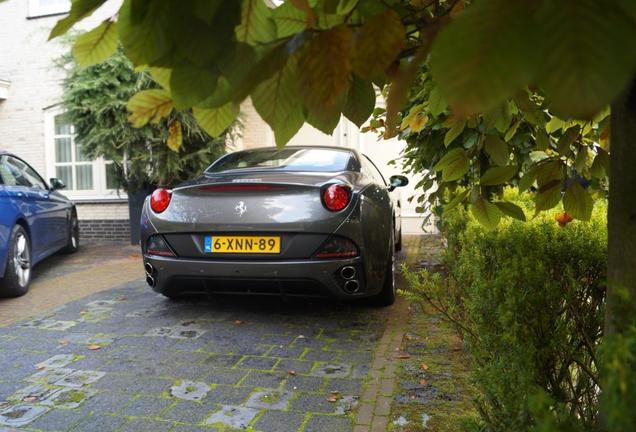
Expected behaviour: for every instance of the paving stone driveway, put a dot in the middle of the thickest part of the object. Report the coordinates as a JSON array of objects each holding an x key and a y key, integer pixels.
[{"x": 129, "y": 360}]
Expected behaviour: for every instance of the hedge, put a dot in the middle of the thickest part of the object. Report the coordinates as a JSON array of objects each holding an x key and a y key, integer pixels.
[{"x": 528, "y": 298}]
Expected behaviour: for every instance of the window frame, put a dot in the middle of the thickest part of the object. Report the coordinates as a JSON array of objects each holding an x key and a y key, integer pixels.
[
  {"x": 99, "y": 192},
  {"x": 36, "y": 10}
]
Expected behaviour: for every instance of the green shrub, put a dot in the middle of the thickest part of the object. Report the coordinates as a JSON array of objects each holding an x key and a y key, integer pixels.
[{"x": 529, "y": 298}]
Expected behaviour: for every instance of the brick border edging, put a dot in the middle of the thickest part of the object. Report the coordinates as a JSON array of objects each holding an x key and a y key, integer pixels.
[{"x": 373, "y": 412}]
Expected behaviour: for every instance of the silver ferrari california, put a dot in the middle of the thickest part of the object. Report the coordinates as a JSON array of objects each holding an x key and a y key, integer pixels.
[{"x": 297, "y": 221}]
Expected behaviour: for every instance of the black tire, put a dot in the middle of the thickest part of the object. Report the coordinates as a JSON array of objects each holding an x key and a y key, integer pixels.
[
  {"x": 72, "y": 244},
  {"x": 386, "y": 297},
  {"x": 17, "y": 274}
]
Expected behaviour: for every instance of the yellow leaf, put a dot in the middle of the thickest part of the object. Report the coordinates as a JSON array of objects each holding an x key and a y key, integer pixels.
[
  {"x": 94, "y": 347},
  {"x": 149, "y": 106},
  {"x": 371, "y": 54},
  {"x": 175, "y": 136},
  {"x": 325, "y": 71}
]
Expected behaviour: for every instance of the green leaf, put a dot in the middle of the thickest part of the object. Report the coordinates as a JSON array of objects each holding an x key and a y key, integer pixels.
[
  {"x": 529, "y": 109},
  {"x": 499, "y": 118},
  {"x": 528, "y": 179},
  {"x": 586, "y": 61},
  {"x": 549, "y": 172},
  {"x": 190, "y": 85},
  {"x": 289, "y": 20},
  {"x": 436, "y": 102},
  {"x": 578, "y": 202},
  {"x": 203, "y": 42},
  {"x": 454, "y": 165},
  {"x": 80, "y": 9},
  {"x": 512, "y": 131},
  {"x": 145, "y": 40},
  {"x": 485, "y": 55},
  {"x": 372, "y": 55},
  {"x": 207, "y": 9},
  {"x": 149, "y": 106},
  {"x": 457, "y": 199},
  {"x": 600, "y": 166},
  {"x": 161, "y": 76},
  {"x": 580, "y": 163},
  {"x": 548, "y": 198},
  {"x": 486, "y": 213},
  {"x": 497, "y": 150},
  {"x": 221, "y": 95},
  {"x": 276, "y": 101},
  {"x": 511, "y": 210},
  {"x": 448, "y": 158},
  {"x": 96, "y": 45},
  {"x": 360, "y": 101},
  {"x": 256, "y": 24},
  {"x": 305, "y": 7},
  {"x": 542, "y": 140},
  {"x": 567, "y": 139},
  {"x": 346, "y": 6},
  {"x": 325, "y": 122},
  {"x": 325, "y": 72},
  {"x": 216, "y": 120},
  {"x": 456, "y": 129},
  {"x": 498, "y": 175},
  {"x": 554, "y": 125}
]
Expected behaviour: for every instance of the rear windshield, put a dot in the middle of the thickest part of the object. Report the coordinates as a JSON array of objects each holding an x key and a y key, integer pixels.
[{"x": 310, "y": 159}]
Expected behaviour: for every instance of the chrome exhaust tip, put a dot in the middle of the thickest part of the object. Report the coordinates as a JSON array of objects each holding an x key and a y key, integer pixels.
[
  {"x": 150, "y": 280},
  {"x": 348, "y": 272},
  {"x": 351, "y": 286},
  {"x": 150, "y": 270}
]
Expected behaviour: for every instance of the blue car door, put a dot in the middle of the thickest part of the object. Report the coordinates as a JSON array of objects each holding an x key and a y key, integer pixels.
[{"x": 47, "y": 218}]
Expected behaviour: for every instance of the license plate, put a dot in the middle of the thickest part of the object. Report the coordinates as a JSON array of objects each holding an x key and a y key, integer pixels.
[{"x": 242, "y": 244}]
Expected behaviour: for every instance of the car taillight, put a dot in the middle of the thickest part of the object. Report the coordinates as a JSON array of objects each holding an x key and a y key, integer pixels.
[
  {"x": 156, "y": 245},
  {"x": 337, "y": 247},
  {"x": 336, "y": 197},
  {"x": 160, "y": 200}
]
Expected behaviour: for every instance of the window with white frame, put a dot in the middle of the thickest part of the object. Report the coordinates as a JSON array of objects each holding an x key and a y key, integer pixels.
[
  {"x": 83, "y": 177},
  {"x": 48, "y": 7}
]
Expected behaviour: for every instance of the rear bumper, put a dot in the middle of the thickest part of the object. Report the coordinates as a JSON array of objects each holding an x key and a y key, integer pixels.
[{"x": 297, "y": 277}]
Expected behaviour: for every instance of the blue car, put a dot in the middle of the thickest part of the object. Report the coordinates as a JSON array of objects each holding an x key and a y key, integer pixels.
[{"x": 35, "y": 221}]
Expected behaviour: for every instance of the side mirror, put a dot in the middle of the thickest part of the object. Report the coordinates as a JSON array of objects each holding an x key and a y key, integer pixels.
[
  {"x": 397, "y": 181},
  {"x": 56, "y": 183}
]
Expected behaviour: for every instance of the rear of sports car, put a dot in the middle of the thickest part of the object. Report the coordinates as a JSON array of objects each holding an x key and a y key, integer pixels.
[{"x": 259, "y": 232}]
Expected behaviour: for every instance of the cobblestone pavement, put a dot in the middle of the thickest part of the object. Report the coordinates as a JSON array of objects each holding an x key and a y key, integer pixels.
[
  {"x": 127, "y": 359},
  {"x": 63, "y": 278}
]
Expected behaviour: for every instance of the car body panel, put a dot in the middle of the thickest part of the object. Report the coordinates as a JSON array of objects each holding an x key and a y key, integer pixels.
[
  {"x": 45, "y": 214},
  {"x": 287, "y": 204}
]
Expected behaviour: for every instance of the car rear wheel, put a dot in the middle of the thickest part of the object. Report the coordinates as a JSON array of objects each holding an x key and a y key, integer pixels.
[
  {"x": 17, "y": 274},
  {"x": 72, "y": 245},
  {"x": 387, "y": 294}
]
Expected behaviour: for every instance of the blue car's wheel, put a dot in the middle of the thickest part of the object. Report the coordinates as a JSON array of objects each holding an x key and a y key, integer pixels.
[
  {"x": 72, "y": 245},
  {"x": 17, "y": 274}
]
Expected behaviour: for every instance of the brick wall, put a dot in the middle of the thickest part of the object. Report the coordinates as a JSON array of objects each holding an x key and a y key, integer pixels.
[{"x": 104, "y": 230}]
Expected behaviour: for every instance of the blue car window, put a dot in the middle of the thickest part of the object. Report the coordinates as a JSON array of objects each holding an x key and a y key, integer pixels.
[{"x": 17, "y": 173}]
